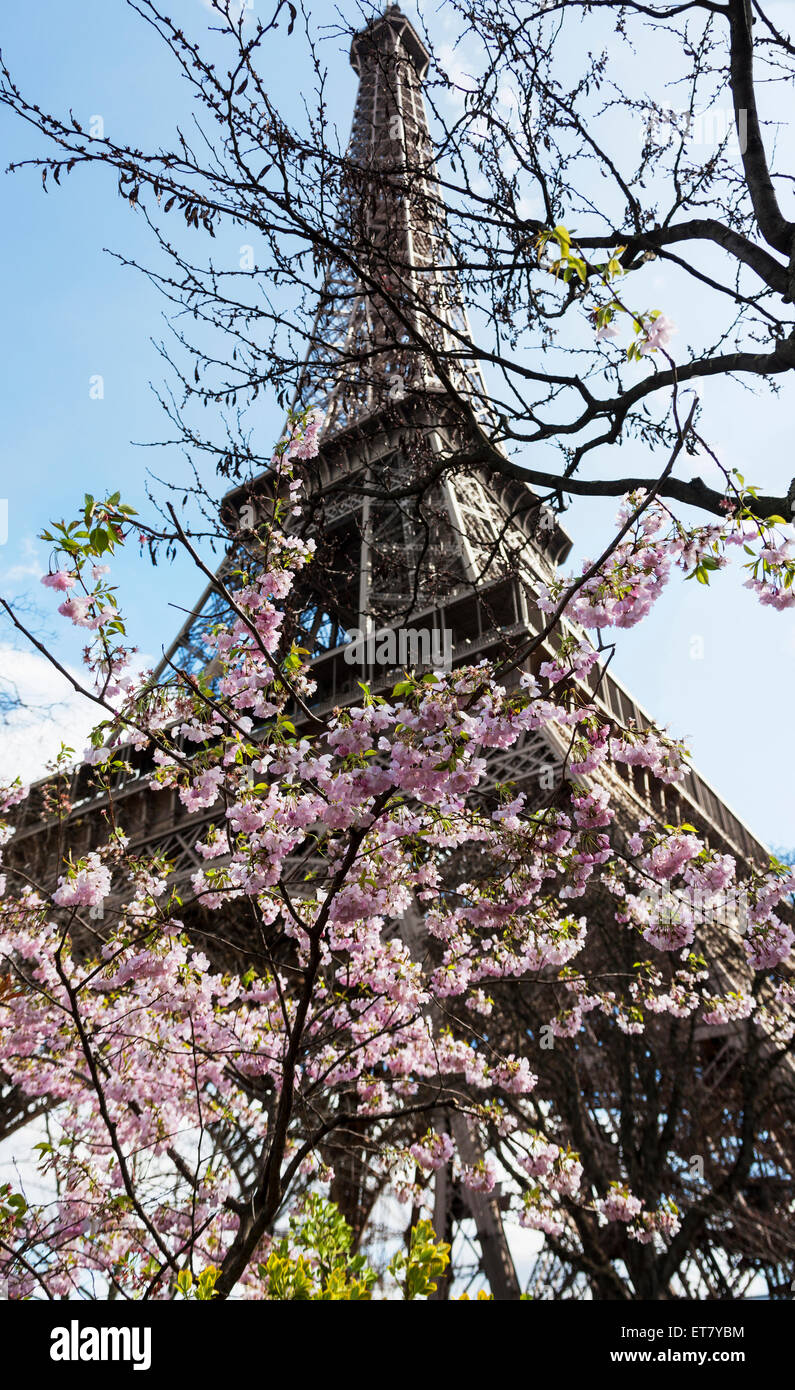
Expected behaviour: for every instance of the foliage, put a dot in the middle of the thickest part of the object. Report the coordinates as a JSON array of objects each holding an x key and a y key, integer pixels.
[
  {"x": 314, "y": 1262},
  {"x": 323, "y": 1269},
  {"x": 418, "y": 1269}
]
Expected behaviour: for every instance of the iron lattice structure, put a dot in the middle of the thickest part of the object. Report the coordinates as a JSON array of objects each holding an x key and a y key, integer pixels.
[{"x": 392, "y": 372}]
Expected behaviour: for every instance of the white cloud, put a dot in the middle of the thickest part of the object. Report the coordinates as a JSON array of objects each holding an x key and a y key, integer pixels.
[
  {"x": 28, "y": 566},
  {"x": 50, "y": 712},
  {"x": 19, "y": 1166}
]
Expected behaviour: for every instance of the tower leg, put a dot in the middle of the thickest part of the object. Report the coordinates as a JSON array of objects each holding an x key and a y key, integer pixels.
[
  {"x": 443, "y": 1227},
  {"x": 497, "y": 1260}
]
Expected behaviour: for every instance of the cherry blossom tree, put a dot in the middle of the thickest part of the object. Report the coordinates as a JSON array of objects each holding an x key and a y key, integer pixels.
[{"x": 193, "y": 1104}]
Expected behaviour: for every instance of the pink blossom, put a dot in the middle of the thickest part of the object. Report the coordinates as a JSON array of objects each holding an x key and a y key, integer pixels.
[
  {"x": 92, "y": 756},
  {"x": 433, "y": 1151},
  {"x": 480, "y": 1176},
  {"x": 659, "y": 332},
  {"x": 78, "y": 609},
  {"x": 768, "y": 944},
  {"x": 85, "y": 886},
  {"x": 619, "y": 1204},
  {"x": 59, "y": 579}
]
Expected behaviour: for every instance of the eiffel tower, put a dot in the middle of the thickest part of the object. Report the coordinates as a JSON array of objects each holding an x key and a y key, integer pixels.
[{"x": 409, "y": 548}]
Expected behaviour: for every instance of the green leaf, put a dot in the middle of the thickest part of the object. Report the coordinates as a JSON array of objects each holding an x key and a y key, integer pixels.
[
  {"x": 99, "y": 540},
  {"x": 427, "y": 1259}
]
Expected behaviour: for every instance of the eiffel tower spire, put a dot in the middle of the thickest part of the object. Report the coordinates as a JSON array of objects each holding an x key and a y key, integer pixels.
[{"x": 402, "y": 296}]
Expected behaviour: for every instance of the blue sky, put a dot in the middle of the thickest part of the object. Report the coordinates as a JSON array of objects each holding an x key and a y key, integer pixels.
[{"x": 71, "y": 312}]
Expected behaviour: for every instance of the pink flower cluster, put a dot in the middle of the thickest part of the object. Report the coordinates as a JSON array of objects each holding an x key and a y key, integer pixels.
[
  {"x": 658, "y": 332},
  {"x": 433, "y": 1151},
  {"x": 619, "y": 1204},
  {"x": 87, "y": 885},
  {"x": 59, "y": 579}
]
